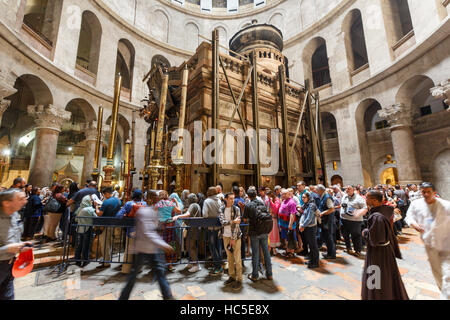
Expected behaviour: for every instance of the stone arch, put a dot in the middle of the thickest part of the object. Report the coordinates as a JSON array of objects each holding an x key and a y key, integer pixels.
[
  {"x": 315, "y": 61},
  {"x": 88, "y": 52},
  {"x": 223, "y": 36},
  {"x": 440, "y": 170},
  {"x": 372, "y": 120},
  {"x": 308, "y": 13},
  {"x": 415, "y": 93},
  {"x": 85, "y": 107},
  {"x": 360, "y": 113},
  {"x": 191, "y": 39},
  {"x": 397, "y": 20},
  {"x": 354, "y": 38},
  {"x": 125, "y": 63},
  {"x": 277, "y": 20},
  {"x": 40, "y": 91},
  {"x": 160, "y": 25},
  {"x": 160, "y": 60},
  {"x": 379, "y": 166}
]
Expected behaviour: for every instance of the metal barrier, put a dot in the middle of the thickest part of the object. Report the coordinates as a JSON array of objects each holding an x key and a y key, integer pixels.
[{"x": 110, "y": 241}]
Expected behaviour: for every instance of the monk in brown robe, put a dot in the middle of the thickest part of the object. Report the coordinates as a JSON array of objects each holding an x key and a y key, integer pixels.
[{"x": 381, "y": 278}]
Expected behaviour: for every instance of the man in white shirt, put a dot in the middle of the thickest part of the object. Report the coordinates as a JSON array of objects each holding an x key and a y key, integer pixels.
[
  {"x": 414, "y": 193},
  {"x": 353, "y": 208},
  {"x": 431, "y": 217}
]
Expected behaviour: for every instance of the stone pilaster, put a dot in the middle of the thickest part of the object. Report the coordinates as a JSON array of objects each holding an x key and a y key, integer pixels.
[
  {"x": 90, "y": 131},
  {"x": 6, "y": 90},
  {"x": 400, "y": 119},
  {"x": 49, "y": 120},
  {"x": 442, "y": 91}
]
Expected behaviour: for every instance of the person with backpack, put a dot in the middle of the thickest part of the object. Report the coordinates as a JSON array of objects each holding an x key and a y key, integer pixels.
[
  {"x": 287, "y": 216},
  {"x": 260, "y": 225},
  {"x": 129, "y": 211},
  {"x": 230, "y": 218}
]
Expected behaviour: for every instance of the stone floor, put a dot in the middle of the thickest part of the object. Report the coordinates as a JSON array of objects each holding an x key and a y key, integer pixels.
[{"x": 334, "y": 280}]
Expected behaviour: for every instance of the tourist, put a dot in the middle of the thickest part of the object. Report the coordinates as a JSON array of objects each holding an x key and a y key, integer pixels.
[
  {"x": 167, "y": 208},
  {"x": 308, "y": 227},
  {"x": 129, "y": 210},
  {"x": 414, "y": 193},
  {"x": 33, "y": 212},
  {"x": 84, "y": 230},
  {"x": 193, "y": 211},
  {"x": 78, "y": 196},
  {"x": 258, "y": 241},
  {"x": 239, "y": 201},
  {"x": 54, "y": 208},
  {"x": 274, "y": 208},
  {"x": 263, "y": 197},
  {"x": 230, "y": 219},
  {"x": 326, "y": 209},
  {"x": 109, "y": 209},
  {"x": 11, "y": 201},
  {"x": 402, "y": 202},
  {"x": 220, "y": 194},
  {"x": 382, "y": 251},
  {"x": 287, "y": 222},
  {"x": 211, "y": 209},
  {"x": 277, "y": 191},
  {"x": 19, "y": 183},
  {"x": 184, "y": 196},
  {"x": 431, "y": 217},
  {"x": 353, "y": 208},
  {"x": 148, "y": 247}
]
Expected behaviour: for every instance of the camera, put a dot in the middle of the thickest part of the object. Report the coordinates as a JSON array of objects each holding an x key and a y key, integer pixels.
[{"x": 230, "y": 248}]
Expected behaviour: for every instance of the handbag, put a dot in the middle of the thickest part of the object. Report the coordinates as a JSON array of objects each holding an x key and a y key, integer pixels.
[{"x": 52, "y": 206}]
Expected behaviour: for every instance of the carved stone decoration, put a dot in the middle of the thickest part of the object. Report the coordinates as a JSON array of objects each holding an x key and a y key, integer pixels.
[
  {"x": 49, "y": 116},
  {"x": 397, "y": 115},
  {"x": 4, "y": 104},
  {"x": 6, "y": 89},
  {"x": 442, "y": 91},
  {"x": 90, "y": 130}
]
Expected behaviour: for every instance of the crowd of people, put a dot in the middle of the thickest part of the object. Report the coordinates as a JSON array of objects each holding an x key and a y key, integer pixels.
[{"x": 257, "y": 222}]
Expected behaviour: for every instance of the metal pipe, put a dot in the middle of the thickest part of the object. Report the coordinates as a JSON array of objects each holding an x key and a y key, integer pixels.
[
  {"x": 184, "y": 88},
  {"x": 97, "y": 157},
  {"x": 161, "y": 117},
  {"x": 255, "y": 114},
  {"x": 299, "y": 123},
  {"x": 215, "y": 98},
  {"x": 115, "y": 116},
  {"x": 287, "y": 167}
]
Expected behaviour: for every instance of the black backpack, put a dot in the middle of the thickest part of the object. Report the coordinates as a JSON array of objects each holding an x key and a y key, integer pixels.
[{"x": 263, "y": 219}]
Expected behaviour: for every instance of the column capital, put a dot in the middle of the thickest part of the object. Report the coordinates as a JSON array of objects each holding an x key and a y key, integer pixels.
[
  {"x": 6, "y": 86},
  {"x": 4, "y": 104},
  {"x": 442, "y": 91},
  {"x": 398, "y": 115},
  {"x": 48, "y": 116},
  {"x": 90, "y": 130}
]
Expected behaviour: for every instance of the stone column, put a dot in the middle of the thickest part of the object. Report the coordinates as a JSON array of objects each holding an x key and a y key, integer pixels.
[
  {"x": 6, "y": 90},
  {"x": 90, "y": 131},
  {"x": 442, "y": 92},
  {"x": 400, "y": 120},
  {"x": 49, "y": 120}
]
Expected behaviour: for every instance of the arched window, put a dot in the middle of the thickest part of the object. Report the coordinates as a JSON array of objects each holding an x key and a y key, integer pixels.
[
  {"x": 355, "y": 41},
  {"x": 125, "y": 65},
  {"x": 191, "y": 37},
  {"x": 398, "y": 22},
  {"x": 43, "y": 17},
  {"x": 89, "y": 43},
  {"x": 320, "y": 67}
]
